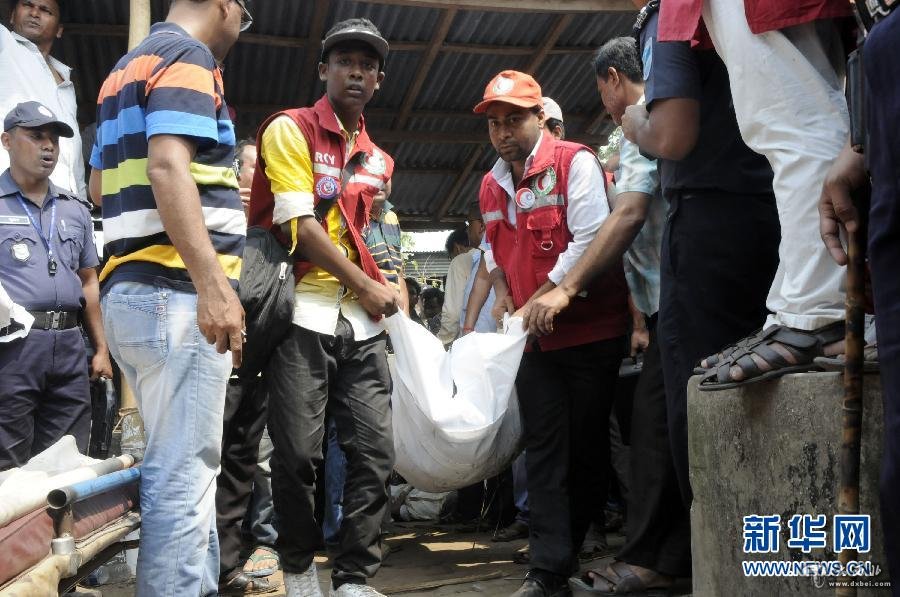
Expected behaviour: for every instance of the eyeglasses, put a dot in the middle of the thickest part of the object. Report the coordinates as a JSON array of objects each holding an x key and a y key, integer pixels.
[{"x": 246, "y": 17}]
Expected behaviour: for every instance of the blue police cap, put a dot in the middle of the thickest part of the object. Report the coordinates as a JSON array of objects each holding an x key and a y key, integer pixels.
[{"x": 32, "y": 115}]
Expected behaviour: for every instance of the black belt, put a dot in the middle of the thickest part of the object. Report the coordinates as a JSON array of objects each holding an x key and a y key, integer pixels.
[{"x": 55, "y": 320}]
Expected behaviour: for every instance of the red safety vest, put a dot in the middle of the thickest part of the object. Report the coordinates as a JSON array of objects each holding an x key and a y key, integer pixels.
[
  {"x": 680, "y": 20},
  {"x": 528, "y": 251},
  {"x": 355, "y": 179}
]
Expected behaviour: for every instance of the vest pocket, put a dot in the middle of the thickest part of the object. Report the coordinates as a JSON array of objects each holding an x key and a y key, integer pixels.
[{"x": 543, "y": 226}]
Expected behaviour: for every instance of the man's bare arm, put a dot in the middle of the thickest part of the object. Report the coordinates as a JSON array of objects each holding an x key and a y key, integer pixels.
[
  {"x": 669, "y": 131},
  {"x": 609, "y": 245},
  {"x": 219, "y": 312},
  {"x": 95, "y": 188},
  {"x": 377, "y": 299},
  {"x": 93, "y": 323}
]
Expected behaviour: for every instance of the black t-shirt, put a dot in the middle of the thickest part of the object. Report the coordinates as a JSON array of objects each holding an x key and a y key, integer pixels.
[{"x": 720, "y": 160}]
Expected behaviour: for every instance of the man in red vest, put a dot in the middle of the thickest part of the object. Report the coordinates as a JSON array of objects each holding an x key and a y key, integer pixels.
[
  {"x": 316, "y": 177},
  {"x": 542, "y": 203}
]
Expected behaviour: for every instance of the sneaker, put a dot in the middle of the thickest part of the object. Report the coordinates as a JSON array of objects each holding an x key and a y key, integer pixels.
[
  {"x": 353, "y": 590},
  {"x": 303, "y": 584}
]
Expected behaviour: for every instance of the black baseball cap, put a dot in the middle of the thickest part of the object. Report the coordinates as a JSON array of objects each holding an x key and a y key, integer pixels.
[
  {"x": 31, "y": 115},
  {"x": 362, "y": 30}
]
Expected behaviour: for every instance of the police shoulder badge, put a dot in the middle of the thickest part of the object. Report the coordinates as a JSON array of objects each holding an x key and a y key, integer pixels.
[
  {"x": 375, "y": 164},
  {"x": 545, "y": 183},
  {"x": 328, "y": 187},
  {"x": 21, "y": 251},
  {"x": 525, "y": 198}
]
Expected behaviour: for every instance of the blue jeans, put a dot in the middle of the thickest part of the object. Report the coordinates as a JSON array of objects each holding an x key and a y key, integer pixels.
[
  {"x": 520, "y": 488},
  {"x": 259, "y": 523},
  {"x": 179, "y": 381},
  {"x": 335, "y": 477}
]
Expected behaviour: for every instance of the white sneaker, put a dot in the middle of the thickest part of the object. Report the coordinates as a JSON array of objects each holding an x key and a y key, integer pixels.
[
  {"x": 303, "y": 584},
  {"x": 352, "y": 590}
]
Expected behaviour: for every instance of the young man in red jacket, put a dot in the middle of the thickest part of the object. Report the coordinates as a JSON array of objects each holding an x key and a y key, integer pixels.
[
  {"x": 316, "y": 178},
  {"x": 542, "y": 203}
]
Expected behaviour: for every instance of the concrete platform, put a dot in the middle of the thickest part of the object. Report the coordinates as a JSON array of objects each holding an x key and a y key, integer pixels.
[{"x": 774, "y": 448}]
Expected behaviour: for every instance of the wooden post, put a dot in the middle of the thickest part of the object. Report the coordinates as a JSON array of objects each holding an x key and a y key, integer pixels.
[
  {"x": 138, "y": 29},
  {"x": 848, "y": 498},
  {"x": 139, "y": 22}
]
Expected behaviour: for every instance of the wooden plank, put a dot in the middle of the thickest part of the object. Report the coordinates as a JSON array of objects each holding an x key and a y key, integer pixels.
[
  {"x": 122, "y": 31},
  {"x": 382, "y": 136},
  {"x": 443, "y": 582},
  {"x": 302, "y": 42},
  {"x": 549, "y": 41},
  {"x": 448, "y": 200},
  {"x": 565, "y": 6},
  {"x": 306, "y": 96},
  {"x": 437, "y": 39}
]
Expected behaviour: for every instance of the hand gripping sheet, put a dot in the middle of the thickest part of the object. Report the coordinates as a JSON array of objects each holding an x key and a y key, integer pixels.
[{"x": 456, "y": 415}]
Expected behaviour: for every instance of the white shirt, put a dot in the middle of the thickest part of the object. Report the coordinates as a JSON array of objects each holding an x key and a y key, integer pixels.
[
  {"x": 587, "y": 209},
  {"x": 319, "y": 313},
  {"x": 26, "y": 76},
  {"x": 454, "y": 291}
]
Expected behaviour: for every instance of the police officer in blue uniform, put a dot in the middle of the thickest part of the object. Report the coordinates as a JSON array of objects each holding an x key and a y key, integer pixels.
[{"x": 47, "y": 266}]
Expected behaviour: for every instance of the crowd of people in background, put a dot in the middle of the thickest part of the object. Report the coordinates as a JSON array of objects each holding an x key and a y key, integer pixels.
[{"x": 698, "y": 245}]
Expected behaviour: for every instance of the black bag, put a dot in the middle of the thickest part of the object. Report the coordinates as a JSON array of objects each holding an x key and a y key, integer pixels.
[{"x": 267, "y": 295}]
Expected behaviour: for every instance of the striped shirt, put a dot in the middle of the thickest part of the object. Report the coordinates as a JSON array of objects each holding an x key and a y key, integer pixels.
[
  {"x": 168, "y": 85},
  {"x": 382, "y": 236}
]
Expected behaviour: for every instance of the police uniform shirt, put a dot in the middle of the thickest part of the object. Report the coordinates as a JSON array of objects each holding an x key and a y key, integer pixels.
[
  {"x": 720, "y": 159},
  {"x": 23, "y": 254}
]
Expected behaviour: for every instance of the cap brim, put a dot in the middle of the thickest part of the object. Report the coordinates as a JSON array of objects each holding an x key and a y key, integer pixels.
[
  {"x": 64, "y": 129},
  {"x": 515, "y": 101},
  {"x": 378, "y": 43}
]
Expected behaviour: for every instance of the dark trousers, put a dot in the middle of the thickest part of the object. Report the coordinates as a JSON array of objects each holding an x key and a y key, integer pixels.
[
  {"x": 883, "y": 77},
  {"x": 658, "y": 536},
  {"x": 719, "y": 255},
  {"x": 311, "y": 374},
  {"x": 565, "y": 397},
  {"x": 245, "y": 419},
  {"x": 44, "y": 394}
]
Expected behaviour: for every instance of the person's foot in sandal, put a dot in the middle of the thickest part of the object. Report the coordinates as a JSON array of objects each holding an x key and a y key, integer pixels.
[
  {"x": 620, "y": 578},
  {"x": 837, "y": 363},
  {"x": 239, "y": 583},
  {"x": 262, "y": 562},
  {"x": 522, "y": 555},
  {"x": 777, "y": 351},
  {"x": 715, "y": 359},
  {"x": 516, "y": 530}
]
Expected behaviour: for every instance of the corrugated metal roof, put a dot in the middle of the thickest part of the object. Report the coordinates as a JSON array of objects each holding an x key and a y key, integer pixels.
[{"x": 264, "y": 75}]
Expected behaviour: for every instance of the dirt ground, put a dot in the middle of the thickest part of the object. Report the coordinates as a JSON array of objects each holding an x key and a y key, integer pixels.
[{"x": 427, "y": 560}]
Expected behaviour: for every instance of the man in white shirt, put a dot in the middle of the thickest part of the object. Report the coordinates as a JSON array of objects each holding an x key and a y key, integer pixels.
[
  {"x": 460, "y": 253},
  {"x": 29, "y": 73}
]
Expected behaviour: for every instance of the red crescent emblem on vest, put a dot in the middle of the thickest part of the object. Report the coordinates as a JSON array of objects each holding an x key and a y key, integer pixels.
[{"x": 525, "y": 198}]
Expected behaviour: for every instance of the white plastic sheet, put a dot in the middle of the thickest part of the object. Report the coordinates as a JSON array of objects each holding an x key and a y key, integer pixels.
[{"x": 455, "y": 414}]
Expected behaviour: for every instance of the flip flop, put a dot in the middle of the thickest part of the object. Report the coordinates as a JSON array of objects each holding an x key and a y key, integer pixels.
[
  {"x": 622, "y": 581},
  {"x": 240, "y": 583},
  {"x": 260, "y": 554}
]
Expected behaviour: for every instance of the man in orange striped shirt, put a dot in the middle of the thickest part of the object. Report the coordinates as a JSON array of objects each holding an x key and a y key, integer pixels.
[{"x": 174, "y": 231}]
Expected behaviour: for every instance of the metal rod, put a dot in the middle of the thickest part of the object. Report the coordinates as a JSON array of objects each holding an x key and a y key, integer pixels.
[
  {"x": 848, "y": 499},
  {"x": 66, "y": 496}
]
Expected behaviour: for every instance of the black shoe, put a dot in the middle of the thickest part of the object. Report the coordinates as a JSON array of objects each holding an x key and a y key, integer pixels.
[{"x": 538, "y": 586}]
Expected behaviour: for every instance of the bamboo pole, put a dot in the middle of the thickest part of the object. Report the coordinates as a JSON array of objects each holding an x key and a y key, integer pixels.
[
  {"x": 138, "y": 29},
  {"x": 848, "y": 499},
  {"x": 139, "y": 22}
]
